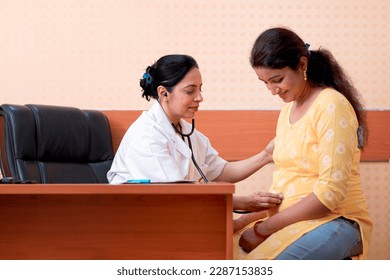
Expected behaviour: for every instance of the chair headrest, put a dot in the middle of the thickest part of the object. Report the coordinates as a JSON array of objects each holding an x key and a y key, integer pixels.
[{"x": 61, "y": 133}]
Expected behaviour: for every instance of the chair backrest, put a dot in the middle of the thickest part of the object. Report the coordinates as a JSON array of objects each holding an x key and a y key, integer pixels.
[{"x": 54, "y": 144}]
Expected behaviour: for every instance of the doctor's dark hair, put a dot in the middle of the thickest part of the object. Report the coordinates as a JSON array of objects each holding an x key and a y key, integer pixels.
[
  {"x": 277, "y": 48},
  {"x": 167, "y": 72}
]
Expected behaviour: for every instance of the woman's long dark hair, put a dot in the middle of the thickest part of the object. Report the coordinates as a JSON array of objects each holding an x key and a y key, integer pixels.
[
  {"x": 277, "y": 48},
  {"x": 167, "y": 72}
]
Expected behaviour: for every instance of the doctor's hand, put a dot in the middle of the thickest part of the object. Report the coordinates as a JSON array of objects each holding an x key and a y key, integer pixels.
[
  {"x": 257, "y": 201},
  {"x": 269, "y": 150}
]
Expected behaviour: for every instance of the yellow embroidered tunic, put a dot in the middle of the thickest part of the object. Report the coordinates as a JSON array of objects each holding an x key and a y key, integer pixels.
[{"x": 319, "y": 153}]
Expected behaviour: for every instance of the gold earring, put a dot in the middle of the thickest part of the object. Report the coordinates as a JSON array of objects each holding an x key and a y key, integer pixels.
[{"x": 304, "y": 75}]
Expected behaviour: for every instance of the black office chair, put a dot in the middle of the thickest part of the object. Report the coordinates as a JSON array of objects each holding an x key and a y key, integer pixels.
[{"x": 54, "y": 144}]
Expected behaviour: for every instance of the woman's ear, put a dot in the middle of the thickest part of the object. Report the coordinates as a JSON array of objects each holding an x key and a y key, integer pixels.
[{"x": 303, "y": 63}]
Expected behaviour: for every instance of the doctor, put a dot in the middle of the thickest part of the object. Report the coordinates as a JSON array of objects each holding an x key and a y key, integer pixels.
[{"x": 157, "y": 146}]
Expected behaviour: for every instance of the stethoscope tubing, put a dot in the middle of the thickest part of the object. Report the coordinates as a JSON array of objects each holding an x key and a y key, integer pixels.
[{"x": 187, "y": 135}]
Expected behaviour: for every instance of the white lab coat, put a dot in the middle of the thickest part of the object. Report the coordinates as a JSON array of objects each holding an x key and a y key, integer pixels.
[{"x": 151, "y": 149}]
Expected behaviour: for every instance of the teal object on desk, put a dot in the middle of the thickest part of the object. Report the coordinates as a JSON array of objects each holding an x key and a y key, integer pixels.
[{"x": 139, "y": 181}]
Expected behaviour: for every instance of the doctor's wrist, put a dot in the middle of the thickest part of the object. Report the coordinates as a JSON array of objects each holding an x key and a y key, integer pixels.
[{"x": 265, "y": 157}]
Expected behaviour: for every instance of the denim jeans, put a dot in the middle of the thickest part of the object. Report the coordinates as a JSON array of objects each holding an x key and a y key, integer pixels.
[{"x": 336, "y": 240}]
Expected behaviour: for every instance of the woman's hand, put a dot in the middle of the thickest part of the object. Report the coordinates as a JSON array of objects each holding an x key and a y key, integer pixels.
[
  {"x": 249, "y": 240},
  {"x": 245, "y": 219}
]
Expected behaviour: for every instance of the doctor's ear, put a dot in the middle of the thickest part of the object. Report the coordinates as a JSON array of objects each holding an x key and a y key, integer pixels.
[{"x": 162, "y": 91}]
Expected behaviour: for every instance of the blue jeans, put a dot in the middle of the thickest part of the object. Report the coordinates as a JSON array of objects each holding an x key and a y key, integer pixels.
[{"x": 336, "y": 240}]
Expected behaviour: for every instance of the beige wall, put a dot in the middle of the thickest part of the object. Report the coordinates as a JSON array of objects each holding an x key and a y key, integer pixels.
[{"x": 92, "y": 53}]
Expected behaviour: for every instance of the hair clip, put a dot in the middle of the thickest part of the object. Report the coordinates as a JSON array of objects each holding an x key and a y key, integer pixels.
[
  {"x": 148, "y": 78},
  {"x": 307, "y": 47},
  {"x": 360, "y": 137}
]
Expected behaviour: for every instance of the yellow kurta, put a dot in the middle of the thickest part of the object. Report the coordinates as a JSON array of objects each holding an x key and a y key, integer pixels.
[{"x": 319, "y": 153}]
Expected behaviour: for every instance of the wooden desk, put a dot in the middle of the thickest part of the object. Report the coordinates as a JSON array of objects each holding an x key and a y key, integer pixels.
[{"x": 62, "y": 222}]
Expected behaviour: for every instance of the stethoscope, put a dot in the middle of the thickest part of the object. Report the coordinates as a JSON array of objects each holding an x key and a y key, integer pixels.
[
  {"x": 183, "y": 135},
  {"x": 187, "y": 135}
]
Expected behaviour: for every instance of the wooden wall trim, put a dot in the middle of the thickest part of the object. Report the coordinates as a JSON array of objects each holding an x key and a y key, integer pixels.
[{"x": 238, "y": 134}]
